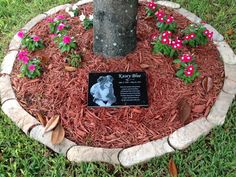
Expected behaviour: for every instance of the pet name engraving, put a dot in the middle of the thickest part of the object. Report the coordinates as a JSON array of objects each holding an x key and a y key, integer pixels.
[{"x": 117, "y": 89}]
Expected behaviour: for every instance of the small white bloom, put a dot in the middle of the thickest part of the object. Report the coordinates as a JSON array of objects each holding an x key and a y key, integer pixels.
[
  {"x": 82, "y": 17},
  {"x": 74, "y": 7},
  {"x": 67, "y": 9},
  {"x": 90, "y": 17},
  {"x": 71, "y": 13}
]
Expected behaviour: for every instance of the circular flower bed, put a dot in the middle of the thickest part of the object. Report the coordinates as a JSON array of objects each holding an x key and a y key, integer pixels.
[{"x": 184, "y": 76}]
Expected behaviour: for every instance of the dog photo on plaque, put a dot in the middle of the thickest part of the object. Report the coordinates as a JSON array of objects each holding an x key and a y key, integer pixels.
[{"x": 117, "y": 89}]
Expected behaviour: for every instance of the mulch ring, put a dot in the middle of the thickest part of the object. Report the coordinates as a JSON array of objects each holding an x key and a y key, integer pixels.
[{"x": 58, "y": 92}]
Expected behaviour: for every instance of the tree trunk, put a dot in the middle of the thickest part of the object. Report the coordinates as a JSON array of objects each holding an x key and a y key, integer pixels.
[{"x": 115, "y": 27}]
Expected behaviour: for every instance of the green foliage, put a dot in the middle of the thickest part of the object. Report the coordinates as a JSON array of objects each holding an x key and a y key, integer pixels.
[
  {"x": 63, "y": 46},
  {"x": 30, "y": 44},
  {"x": 181, "y": 72},
  {"x": 165, "y": 49},
  {"x": 150, "y": 12},
  {"x": 74, "y": 60},
  {"x": 162, "y": 26},
  {"x": 198, "y": 31},
  {"x": 87, "y": 23},
  {"x": 25, "y": 72}
]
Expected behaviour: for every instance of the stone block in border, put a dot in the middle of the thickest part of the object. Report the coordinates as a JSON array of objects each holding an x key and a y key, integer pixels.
[
  {"x": 142, "y": 153},
  {"x": 230, "y": 71},
  {"x": 34, "y": 21},
  {"x": 38, "y": 134},
  {"x": 169, "y": 4},
  {"x": 93, "y": 154},
  {"x": 18, "y": 115},
  {"x": 189, "y": 15},
  {"x": 229, "y": 86},
  {"x": 15, "y": 43},
  {"x": 8, "y": 62},
  {"x": 83, "y": 2},
  {"x": 57, "y": 9},
  {"x": 217, "y": 37},
  {"x": 188, "y": 134},
  {"x": 226, "y": 52},
  {"x": 6, "y": 91},
  {"x": 220, "y": 108}
]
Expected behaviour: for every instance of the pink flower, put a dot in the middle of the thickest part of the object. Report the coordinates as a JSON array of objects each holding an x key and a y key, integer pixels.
[
  {"x": 186, "y": 38},
  {"x": 165, "y": 40},
  {"x": 21, "y": 54},
  {"x": 186, "y": 58},
  {"x": 190, "y": 68},
  {"x": 169, "y": 20},
  {"x": 59, "y": 17},
  {"x": 188, "y": 73},
  {"x": 66, "y": 39},
  {"x": 192, "y": 35},
  {"x": 210, "y": 35},
  {"x": 36, "y": 38},
  {"x": 206, "y": 32},
  {"x": 159, "y": 14},
  {"x": 31, "y": 68},
  {"x": 174, "y": 46},
  {"x": 167, "y": 34},
  {"x": 25, "y": 59},
  {"x": 60, "y": 26},
  {"x": 21, "y": 34},
  {"x": 50, "y": 20},
  {"x": 152, "y": 5},
  {"x": 161, "y": 19}
]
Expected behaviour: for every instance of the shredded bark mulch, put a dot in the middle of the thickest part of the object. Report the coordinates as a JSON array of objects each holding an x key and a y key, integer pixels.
[{"x": 58, "y": 92}]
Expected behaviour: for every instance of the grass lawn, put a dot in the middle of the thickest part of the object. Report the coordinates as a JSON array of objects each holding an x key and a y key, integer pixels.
[{"x": 211, "y": 156}]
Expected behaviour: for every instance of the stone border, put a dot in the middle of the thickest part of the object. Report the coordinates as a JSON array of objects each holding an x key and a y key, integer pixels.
[{"x": 127, "y": 157}]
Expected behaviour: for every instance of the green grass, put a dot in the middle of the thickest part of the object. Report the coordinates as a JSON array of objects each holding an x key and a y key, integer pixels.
[{"x": 211, "y": 156}]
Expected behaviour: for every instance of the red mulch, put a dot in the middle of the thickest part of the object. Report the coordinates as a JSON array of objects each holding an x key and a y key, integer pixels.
[{"x": 63, "y": 93}]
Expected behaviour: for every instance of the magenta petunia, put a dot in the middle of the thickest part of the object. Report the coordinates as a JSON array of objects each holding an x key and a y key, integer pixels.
[
  {"x": 152, "y": 5},
  {"x": 188, "y": 73},
  {"x": 36, "y": 38},
  {"x": 66, "y": 39},
  {"x": 60, "y": 26},
  {"x": 21, "y": 34},
  {"x": 186, "y": 58},
  {"x": 165, "y": 40},
  {"x": 59, "y": 17},
  {"x": 169, "y": 20},
  {"x": 25, "y": 59},
  {"x": 31, "y": 68},
  {"x": 50, "y": 20}
]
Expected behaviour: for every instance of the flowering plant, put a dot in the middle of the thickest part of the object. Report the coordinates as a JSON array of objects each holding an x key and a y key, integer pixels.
[
  {"x": 196, "y": 35},
  {"x": 74, "y": 60},
  {"x": 30, "y": 67},
  {"x": 32, "y": 43},
  {"x": 165, "y": 45},
  {"x": 87, "y": 22},
  {"x": 58, "y": 25},
  {"x": 187, "y": 70},
  {"x": 65, "y": 43},
  {"x": 165, "y": 23},
  {"x": 151, "y": 8},
  {"x": 73, "y": 11}
]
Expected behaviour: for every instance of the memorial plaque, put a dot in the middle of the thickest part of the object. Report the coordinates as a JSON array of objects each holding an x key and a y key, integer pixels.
[{"x": 117, "y": 89}]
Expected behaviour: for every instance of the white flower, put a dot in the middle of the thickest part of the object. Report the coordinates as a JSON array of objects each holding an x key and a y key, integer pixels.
[
  {"x": 71, "y": 14},
  {"x": 67, "y": 9},
  {"x": 90, "y": 17},
  {"x": 82, "y": 17},
  {"x": 74, "y": 7}
]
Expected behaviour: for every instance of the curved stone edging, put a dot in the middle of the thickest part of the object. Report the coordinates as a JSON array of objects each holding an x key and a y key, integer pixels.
[{"x": 180, "y": 139}]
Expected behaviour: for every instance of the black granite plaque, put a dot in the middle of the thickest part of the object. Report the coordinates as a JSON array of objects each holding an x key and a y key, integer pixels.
[{"x": 117, "y": 89}]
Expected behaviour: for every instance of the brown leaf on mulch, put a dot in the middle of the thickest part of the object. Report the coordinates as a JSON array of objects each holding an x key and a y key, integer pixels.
[
  {"x": 172, "y": 168},
  {"x": 70, "y": 68},
  {"x": 144, "y": 66},
  {"x": 184, "y": 109},
  {"x": 199, "y": 108},
  {"x": 58, "y": 135},
  {"x": 207, "y": 84},
  {"x": 52, "y": 123},
  {"x": 41, "y": 119}
]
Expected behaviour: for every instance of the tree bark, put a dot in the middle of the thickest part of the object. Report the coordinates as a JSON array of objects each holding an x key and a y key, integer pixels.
[{"x": 115, "y": 27}]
